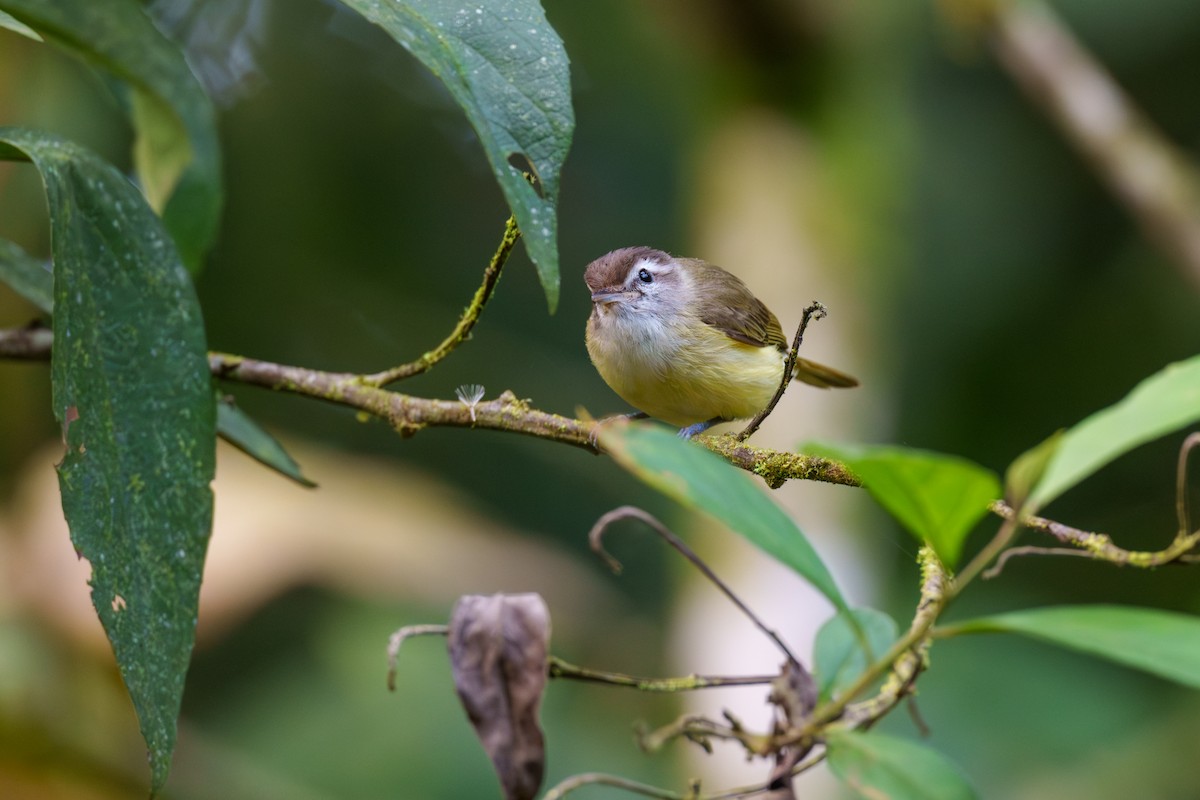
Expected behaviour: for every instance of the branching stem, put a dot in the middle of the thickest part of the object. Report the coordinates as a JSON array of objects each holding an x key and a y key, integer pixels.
[
  {"x": 470, "y": 315},
  {"x": 814, "y": 311}
]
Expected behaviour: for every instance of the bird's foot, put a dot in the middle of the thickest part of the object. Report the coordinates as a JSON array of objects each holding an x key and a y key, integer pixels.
[{"x": 698, "y": 428}]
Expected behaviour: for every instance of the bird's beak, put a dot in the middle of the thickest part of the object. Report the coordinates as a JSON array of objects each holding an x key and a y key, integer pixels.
[{"x": 609, "y": 295}]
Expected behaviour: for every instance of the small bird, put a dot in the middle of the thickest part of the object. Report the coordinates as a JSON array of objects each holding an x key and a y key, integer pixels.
[{"x": 687, "y": 342}]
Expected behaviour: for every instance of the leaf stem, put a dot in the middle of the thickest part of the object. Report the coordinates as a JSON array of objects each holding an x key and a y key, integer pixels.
[
  {"x": 595, "y": 538},
  {"x": 470, "y": 315}
]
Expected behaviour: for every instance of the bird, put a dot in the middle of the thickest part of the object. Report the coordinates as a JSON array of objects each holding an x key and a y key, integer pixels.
[{"x": 686, "y": 342}]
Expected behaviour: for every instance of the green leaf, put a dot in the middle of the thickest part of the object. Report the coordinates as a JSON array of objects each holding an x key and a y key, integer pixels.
[
  {"x": 838, "y": 655},
  {"x": 878, "y": 766},
  {"x": 177, "y": 153},
  {"x": 16, "y": 26},
  {"x": 132, "y": 391},
  {"x": 696, "y": 477},
  {"x": 1163, "y": 643},
  {"x": 508, "y": 70},
  {"x": 26, "y": 275},
  {"x": 937, "y": 497},
  {"x": 236, "y": 427},
  {"x": 1166, "y": 401}
]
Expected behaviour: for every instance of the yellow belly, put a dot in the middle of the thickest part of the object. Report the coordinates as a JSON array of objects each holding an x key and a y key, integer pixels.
[{"x": 686, "y": 374}]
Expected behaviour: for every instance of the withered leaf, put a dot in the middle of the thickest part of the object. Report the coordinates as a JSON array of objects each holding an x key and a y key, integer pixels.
[{"x": 498, "y": 649}]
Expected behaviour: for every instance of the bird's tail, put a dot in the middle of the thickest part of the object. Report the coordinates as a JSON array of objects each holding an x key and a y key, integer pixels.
[{"x": 815, "y": 374}]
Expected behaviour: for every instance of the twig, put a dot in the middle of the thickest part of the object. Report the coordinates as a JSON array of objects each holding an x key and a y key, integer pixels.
[
  {"x": 563, "y": 788},
  {"x": 595, "y": 538},
  {"x": 409, "y": 414},
  {"x": 397, "y": 639},
  {"x": 1100, "y": 545},
  {"x": 814, "y": 311},
  {"x": 1182, "y": 505},
  {"x": 596, "y": 778},
  {"x": 470, "y": 315},
  {"x": 699, "y": 729},
  {"x": 559, "y": 668},
  {"x": 908, "y": 658},
  {"x": 1031, "y": 550}
]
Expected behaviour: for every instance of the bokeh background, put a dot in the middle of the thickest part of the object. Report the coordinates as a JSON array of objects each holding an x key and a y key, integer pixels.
[{"x": 983, "y": 285}]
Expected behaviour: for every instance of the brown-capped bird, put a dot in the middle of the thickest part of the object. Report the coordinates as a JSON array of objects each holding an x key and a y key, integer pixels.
[{"x": 687, "y": 342}]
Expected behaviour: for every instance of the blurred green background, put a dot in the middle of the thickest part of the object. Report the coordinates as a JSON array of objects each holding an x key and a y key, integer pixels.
[{"x": 991, "y": 291}]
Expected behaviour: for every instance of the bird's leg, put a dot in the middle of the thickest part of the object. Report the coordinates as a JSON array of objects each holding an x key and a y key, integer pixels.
[{"x": 699, "y": 427}]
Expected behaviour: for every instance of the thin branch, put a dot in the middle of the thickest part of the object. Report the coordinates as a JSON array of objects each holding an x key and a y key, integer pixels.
[
  {"x": 409, "y": 414},
  {"x": 909, "y": 657},
  {"x": 1157, "y": 183},
  {"x": 558, "y": 668},
  {"x": 470, "y": 315},
  {"x": 595, "y": 538},
  {"x": 1031, "y": 550},
  {"x": 561, "y": 789},
  {"x": 1100, "y": 545},
  {"x": 397, "y": 639},
  {"x": 699, "y": 729},
  {"x": 814, "y": 311},
  {"x": 1182, "y": 510}
]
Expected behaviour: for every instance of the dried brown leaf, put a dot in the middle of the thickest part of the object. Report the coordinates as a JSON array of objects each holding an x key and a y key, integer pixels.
[{"x": 498, "y": 649}]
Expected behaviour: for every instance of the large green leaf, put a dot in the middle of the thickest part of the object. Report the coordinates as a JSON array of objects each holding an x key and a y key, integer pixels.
[
  {"x": 878, "y": 766},
  {"x": 1164, "y": 643},
  {"x": 177, "y": 153},
  {"x": 839, "y": 657},
  {"x": 508, "y": 70},
  {"x": 26, "y": 275},
  {"x": 1164, "y": 402},
  {"x": 132, "y": 391},
  {"x": 699, "y": 479},
  {"x": 937, "y": 497}
]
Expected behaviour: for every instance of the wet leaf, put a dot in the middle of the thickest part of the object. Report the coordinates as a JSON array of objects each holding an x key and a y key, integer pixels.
[
  {"x": 499, "y": 645},
  {"x": 508, "y": 70},
  {"x": 132, "y": 392}
]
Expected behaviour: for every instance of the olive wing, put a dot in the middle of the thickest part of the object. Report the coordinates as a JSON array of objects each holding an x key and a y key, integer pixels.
[{"x": 728, "y": 305}]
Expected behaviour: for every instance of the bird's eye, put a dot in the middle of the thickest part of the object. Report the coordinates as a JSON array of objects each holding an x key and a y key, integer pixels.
[{"x": 644, "y": 276}]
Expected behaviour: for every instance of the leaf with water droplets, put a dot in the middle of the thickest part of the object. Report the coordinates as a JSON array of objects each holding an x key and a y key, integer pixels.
[
  {"x": 132, "y": 392},
  {"x": 508, "y": 70}
]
